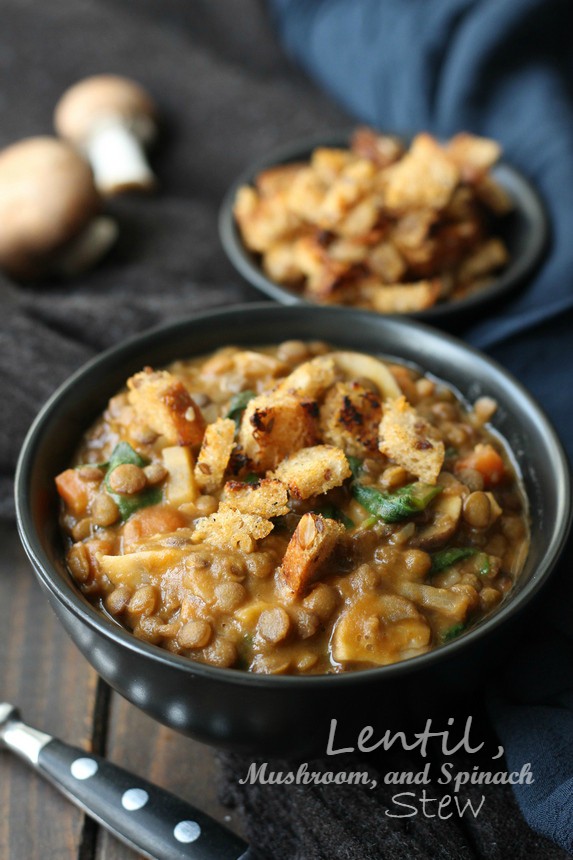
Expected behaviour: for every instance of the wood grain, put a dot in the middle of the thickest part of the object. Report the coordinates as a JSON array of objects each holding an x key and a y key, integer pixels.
[
  {"x": 42, "y": 673},
  {"x": 181, "y": 765}
]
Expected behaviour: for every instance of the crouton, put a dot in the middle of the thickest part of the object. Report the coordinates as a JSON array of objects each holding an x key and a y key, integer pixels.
[
  {"x": 162, "y": 402},
  {"x": 214, "y": 455},
  {"x": 473, "y": 155},
  {"x": 400, "y": 298},
  {"x": 267, "y": 498},
  {"x": 424, "y": 178},
  {"x": 263, "y": 220},
  {"x": 274, "y": 425},
  {"x": 275, "y": 180},
  {"x": 407, "y": 439},
  {"x": 280, "y": 263},
  {"x": 488, "y": 257},
  {"x": 382, "y": 149},
  {"x": 310, "y": 379},
  {"x": 231, "y": 529},
  {"x": 386, "y": 262},
  {"x": 313, "y": 471},
  {"x": 309, "y": 548},
  {"x": 350, "y": 417}
]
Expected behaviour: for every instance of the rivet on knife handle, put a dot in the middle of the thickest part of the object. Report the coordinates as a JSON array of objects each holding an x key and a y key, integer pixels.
[{"x": 154, "y": 822}]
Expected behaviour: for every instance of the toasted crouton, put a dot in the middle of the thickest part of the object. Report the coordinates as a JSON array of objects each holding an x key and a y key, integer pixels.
[
  {"x": 488, "y": 257},
  {"x": 350, "y": 417},
  {"x": 400, "y": 298},
  {"x": 310, "y": 379},
  {"x": 424, "y": 178},
  {"x": 473, "y": 155},
  {"x": 267, "y": 498},
  {"x": 312, "y": 471},
  {"x": 263, "y": 220},
  {"x": 231, "y": 529},
  {"x": 162, "y": 402},
  {"x": 308, "y": 549},
  {"x": 274, "y": 425},
  {"x": 214, "y": 455},
  {"x": 410, "y": 441}
]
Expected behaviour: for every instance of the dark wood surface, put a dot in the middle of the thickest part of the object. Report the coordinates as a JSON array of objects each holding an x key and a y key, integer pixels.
[{"x": 43, "y": 673}]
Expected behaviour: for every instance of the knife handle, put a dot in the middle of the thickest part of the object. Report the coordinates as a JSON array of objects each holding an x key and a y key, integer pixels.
[{"x": 152, "y": 821}]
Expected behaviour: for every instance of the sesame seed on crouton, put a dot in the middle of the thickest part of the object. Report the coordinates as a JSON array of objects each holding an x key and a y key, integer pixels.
[{"x": 309, "y": 548}]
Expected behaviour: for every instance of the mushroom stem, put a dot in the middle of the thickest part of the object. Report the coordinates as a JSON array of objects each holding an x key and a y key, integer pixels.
[
  {"x": 87, "y": 248},
  {"x": 118, "y": 160}
]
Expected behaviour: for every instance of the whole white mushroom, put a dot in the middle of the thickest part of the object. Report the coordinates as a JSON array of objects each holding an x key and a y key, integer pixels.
[
  {"x": 49, "y": 211},
  {"x": 111, "y": 120}
]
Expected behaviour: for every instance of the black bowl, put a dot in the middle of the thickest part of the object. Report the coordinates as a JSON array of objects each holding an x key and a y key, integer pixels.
[
  {"x": 280, "y": 714},
  {"x": 524, "y": 230}
]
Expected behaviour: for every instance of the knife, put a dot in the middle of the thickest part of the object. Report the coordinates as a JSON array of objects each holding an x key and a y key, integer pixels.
[{"x": 154, "y": 822}]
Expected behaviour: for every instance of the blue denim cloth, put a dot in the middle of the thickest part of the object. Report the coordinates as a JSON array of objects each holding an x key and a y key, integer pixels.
[{"x": 502, "y": 68}]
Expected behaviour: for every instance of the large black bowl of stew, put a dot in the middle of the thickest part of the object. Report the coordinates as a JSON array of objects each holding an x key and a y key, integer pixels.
[{"x": 256, "y": 520}]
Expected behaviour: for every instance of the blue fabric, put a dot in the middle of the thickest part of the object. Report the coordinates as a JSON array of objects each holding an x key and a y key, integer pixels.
[{"x": 502, "y": 68}]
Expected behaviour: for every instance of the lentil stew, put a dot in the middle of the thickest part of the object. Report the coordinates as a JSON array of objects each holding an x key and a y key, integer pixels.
[{"x": 293, "y": 509}]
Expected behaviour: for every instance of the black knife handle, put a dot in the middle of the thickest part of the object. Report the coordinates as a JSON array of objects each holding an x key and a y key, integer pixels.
[{"x": 152, "y": 821}]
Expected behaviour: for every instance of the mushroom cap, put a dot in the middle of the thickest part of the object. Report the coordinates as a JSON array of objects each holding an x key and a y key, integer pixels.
[
  {"x": 101, "y": 99},
  {"x": 47, "y": 197}
]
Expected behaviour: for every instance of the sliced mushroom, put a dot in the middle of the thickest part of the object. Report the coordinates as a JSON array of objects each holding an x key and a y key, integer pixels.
[
  {"x": 111, "y": 119},
  {"x": 355, "y": 365},
  {"x": 379, "y": 629},
  {"x": 446, "y": 512},
  {"x": 49, "y": 209}
]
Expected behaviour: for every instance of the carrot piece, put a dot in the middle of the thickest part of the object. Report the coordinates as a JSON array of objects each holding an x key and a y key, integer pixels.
[
  {"x": 73, "y": 491},
  {"x": 485, "y": 460},
  {"x": 154, "y": 520}
]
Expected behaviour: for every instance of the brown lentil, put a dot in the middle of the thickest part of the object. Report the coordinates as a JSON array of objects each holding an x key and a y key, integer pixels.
[
  {"x": 206, "y": 505},
  {"x": 195, "y": 634},
  {"x": 79, "y": 562},
  {"x": 477, "y": 510},
  {"x": 143, "y": 601},
  {"x": 274, "y": 624},
  {"x": 155, "y": 473},
  {"x": 82, "y": 529},
  {"x": 90, "y": 474},
  {"x": 104, "y": 510},
  {"x": 117, "y": 601},
  {"x": 229, "y": 595},
  {"x": 127, "y": 479}
]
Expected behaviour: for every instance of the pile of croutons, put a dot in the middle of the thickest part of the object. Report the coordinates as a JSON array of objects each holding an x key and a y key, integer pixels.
[
  {"x": 379, "y": 226},
  {"x": 293, "y": 441}
]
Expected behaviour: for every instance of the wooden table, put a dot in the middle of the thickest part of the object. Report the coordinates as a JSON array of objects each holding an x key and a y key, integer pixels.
[{"x": 57, "y": 691}]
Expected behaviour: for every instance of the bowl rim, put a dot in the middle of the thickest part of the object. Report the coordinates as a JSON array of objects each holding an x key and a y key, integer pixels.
[
  {"x": 513, "y": 276},
  {"x": 76, "y": 603}
]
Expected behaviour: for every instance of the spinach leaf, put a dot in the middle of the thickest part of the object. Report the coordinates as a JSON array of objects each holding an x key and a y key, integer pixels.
[{"x": 398, "y": 505}]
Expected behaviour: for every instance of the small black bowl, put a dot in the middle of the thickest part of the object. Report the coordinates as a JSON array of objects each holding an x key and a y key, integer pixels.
[
  {"x": 282, "y": 714},
  {"x": 525, "y": 231}
]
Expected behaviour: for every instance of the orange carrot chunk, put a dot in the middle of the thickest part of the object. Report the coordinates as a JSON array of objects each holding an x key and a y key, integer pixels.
[
  {"x": 485, "y": 460},
  {"x": 152, "y": 521},
  {"x": 73, "y": 491}
]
